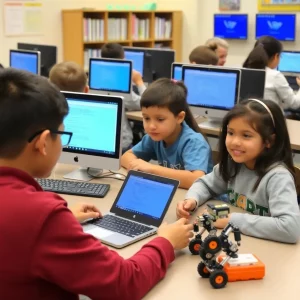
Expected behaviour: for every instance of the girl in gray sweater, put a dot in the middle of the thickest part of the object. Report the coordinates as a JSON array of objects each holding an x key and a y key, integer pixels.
[{"x": 256, "y": 171}]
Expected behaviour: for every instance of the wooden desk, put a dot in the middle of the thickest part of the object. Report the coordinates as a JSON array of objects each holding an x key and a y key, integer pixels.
[
  {"x": 182, "y": 280},
  {"x": 213, "y": 133}
]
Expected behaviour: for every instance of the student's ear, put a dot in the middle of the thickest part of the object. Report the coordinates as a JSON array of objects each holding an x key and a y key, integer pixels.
[
  {"x": 270, "y": 143},
  {"x": 180, "y": 117},
  {"x": 40, "y": 144},
  {"x": 86, "y": 89}
]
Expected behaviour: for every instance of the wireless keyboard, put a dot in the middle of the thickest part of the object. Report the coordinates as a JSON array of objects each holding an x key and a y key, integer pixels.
[{"x": 74, "y": 188}]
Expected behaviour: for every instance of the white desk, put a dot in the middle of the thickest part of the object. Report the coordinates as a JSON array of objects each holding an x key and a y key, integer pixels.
[{"x": 182, "y": 281}]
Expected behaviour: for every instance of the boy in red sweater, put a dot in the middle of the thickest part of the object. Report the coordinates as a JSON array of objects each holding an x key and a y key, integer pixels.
[{"x": 44, "y": 254}]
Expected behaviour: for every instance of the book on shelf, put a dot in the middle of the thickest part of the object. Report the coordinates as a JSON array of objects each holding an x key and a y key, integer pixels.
[
  {"x": 90, "y": 53},
  {"x": 140, "y": 28},
  {"x": 163, "y": 28},
  {"x": 117, "y": 29},
  {"x": 93, "y": 30}
]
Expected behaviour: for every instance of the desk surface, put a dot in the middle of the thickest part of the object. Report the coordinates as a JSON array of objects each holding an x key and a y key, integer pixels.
[
  {"x": 182, "y": 280},
  {"x": 293, "y": 128}
]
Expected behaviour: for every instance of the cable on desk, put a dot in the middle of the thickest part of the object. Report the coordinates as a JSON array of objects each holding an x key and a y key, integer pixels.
[{"x": 110, "y": 174}]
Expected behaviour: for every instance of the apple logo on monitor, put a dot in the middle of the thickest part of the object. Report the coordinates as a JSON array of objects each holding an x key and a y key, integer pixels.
[{"x": 76, "y": 159}]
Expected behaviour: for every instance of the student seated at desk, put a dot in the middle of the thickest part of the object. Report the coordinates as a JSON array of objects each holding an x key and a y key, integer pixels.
[
  {"x": 266, "y": 55},
  {"x": 116, "y": 51},
  {"x": 69, "y": 76},
  {"x": 173, "y": 137},
  {"x": 222, "y": 50},
  {"x": 204, "y": 55},
  {"x": 256, "y": 170},
  {"x": 44, "y": 252}
]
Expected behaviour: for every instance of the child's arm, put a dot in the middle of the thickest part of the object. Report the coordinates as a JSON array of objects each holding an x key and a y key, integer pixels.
[
  {"x": 134, "y": 102},
  {"x": 284, "y": 223},
  {"x": 143, "y": 152},
  {"x": 203, "y": 188}
]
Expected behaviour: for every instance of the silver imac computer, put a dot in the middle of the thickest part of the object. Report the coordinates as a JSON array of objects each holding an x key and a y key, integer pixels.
[
  {"x": 212, "y": 91},
  {"x": 95, "y": 121},
  {"x": 176, "y": 71},
  {"x": 110, "y": 77},
  {"x": 25, "y": 60}
]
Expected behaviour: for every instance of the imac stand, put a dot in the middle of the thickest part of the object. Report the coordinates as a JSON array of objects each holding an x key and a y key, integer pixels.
[
  {"x": 81, "y": 174},
  {"x": 211, "y": 123}
]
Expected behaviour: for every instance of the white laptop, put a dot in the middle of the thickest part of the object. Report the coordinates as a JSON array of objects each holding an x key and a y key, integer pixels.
[{"x": 137, "y": 212}]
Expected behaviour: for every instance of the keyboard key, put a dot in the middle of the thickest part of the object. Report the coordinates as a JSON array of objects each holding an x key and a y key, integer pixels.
[{"x": 97, "y": 190}]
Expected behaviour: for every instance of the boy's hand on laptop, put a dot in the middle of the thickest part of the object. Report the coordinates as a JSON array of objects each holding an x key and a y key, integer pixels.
[
  {"x": 178, "y": 233},
  {"x": 84, "y": 211},
  {"x": 185, "y": 208},
  {"x": 137, "y": 78},
  {"x": 140, "y": 165}
]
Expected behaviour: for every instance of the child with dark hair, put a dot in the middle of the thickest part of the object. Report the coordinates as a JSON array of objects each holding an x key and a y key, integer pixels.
[
  {"x": 256, "y": 170},
  {"x": 52, "y": 257},
  {"x": 205, "y": 55},
  {"x": 116, "y": 51},
  {"x": 266, "y": 55},
  {"x": 173, "y": 137}
]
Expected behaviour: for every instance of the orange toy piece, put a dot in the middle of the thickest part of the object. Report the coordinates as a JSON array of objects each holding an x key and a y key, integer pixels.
[{"x": 245, "y": 267}]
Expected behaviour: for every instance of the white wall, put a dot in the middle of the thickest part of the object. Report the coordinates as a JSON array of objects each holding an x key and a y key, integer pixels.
[{"x": 197, "y": 25}]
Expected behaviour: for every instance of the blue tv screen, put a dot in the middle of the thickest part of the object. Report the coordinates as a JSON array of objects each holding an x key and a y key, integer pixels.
[
  {"x": 281, "y": 27},
  {"x": 231, "y": 26}
]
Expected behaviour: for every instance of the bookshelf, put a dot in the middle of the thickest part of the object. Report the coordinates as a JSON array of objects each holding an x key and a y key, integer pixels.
[{"x": 85, "y": 31}]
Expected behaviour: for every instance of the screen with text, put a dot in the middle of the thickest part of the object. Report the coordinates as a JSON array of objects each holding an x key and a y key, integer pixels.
[
  {"x": 145, "y": 197},
  {"x": 94, "y": 126},
  {"x": 110, "y": 76},
  {"x": 211, "y": 89}
]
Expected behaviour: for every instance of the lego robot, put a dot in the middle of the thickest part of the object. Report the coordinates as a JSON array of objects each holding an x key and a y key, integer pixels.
[{"x": 212, "y": 245}]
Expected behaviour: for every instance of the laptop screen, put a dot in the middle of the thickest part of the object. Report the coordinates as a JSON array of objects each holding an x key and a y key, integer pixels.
[
  {"x": 145, "y": 197},
  {"x": 289, "y": 62}
]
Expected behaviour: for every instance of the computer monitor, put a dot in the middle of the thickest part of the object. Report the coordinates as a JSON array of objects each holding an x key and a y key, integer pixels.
[
  {"x": 176, "y": 71},
  {"x": 157, "y": 62},
  {"x": 25, "y": 60},
  {"x": 110, "y": 76},
  {"x": 289, "y": 62},
  {"x": 228, "y": 26},
  {"x": 48, "y": 55},
  {"x": 282, "y": 27},
  {"x": 252, "y": 83},
  {"x": 137, "y": 58},
  {"x": 95, "y": 121},
  {"x": 212, "y": 91}
]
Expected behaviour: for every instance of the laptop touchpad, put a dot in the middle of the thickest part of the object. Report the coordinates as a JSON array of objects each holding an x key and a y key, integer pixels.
[{"x": 99, "y": 233}]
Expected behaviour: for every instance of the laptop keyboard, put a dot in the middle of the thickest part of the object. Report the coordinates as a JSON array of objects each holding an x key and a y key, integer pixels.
[{"x": 122, "y": 226}]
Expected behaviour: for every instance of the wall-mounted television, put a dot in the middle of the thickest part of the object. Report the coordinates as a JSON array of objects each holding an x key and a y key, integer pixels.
[
  {"x": 280, "y": 26},
  {"x": 228, "y": 26}
]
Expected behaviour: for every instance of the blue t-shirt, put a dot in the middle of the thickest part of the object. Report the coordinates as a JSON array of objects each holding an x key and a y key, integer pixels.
[{"x": 189, "y": 152}]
